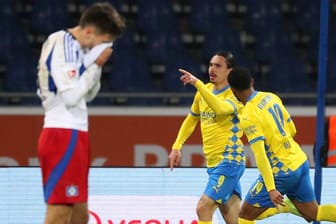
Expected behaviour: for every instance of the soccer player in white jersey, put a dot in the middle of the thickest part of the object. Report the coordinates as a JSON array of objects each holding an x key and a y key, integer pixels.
[
  {"x": 69, "y": 73},
  {"x": 283, "y": 166}
]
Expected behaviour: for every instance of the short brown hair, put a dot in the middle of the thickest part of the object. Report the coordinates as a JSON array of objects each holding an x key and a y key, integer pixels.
[{"x": 104, "y": 17}]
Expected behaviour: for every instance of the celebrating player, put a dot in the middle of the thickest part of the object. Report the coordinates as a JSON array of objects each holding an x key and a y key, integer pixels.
[
  {"x": 216, "y": 108},
  {"x": 282, "y": 164}
]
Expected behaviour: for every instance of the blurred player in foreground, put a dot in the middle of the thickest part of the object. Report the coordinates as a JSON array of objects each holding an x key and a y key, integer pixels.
[
  {"x": 216, "y": 109},
  {"x": 282, "y": 164},
  {"x": 69, "y": 74}
]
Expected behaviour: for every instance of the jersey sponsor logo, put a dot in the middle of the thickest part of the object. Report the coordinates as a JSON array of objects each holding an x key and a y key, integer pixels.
[
  {"x": 72, "y": 191},
  {"x": 250, "y": 130},
  {"x": 208, "y": 116},
  {"x": 72, "y": 73}
]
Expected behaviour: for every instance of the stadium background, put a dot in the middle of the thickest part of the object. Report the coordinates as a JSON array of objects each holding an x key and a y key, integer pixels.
[{"x": 277, "y": 40}]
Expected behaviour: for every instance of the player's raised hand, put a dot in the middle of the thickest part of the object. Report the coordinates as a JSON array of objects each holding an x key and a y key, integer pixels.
[
  {"x": 104, "y": 56},
  {"x": 187, "y": 77},
  {"x": 174, "y": 158}
]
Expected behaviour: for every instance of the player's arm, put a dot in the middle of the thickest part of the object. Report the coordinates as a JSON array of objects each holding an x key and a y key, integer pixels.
[
  {"x": 250, "y": 123},
  {"x": 72, "y": 94},
  {"x": 186, "y": 129},
  {"x": 188, "y": 125},
  {"x": 88, "y": 84},
  {"x": 97, "y": 55},
  {"x": 258, "y": 149},
  {"x": 218, "y": 105},
  {"x": 265, "y": 169},
  {"x": 92, "y": 93}
]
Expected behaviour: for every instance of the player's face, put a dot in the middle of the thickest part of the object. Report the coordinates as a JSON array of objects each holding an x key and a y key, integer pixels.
[{"x": 218, "y": 70}]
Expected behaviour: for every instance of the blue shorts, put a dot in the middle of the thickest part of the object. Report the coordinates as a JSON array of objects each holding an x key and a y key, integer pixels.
[
  {"x": 224, "y": 182},
  {"x": 296, "y": 185}
]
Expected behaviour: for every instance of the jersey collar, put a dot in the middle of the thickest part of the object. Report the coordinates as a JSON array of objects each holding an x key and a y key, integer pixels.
[
  {"x": 252, "y": 96},
  {"x": 221, "y": 90}
]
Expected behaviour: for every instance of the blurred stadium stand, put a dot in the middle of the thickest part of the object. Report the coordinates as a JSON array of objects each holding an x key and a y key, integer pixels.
[{"x": 277, "y": 40}]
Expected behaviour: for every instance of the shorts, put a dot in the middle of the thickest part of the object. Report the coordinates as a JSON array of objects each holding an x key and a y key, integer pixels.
[
  {"x": 295, "y": 184},
  {"x": 64, "y": 160},
  {"x": 224, "y": 181}
]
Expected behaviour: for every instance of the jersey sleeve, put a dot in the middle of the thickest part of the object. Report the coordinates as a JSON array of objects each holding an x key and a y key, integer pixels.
[
  {"x": 188, "y": 125},
  {"x": 63, "y": 64},
  {"x": 256, "y": 139},
  {"x": 264, "y": 166},
  {"x": 91, "y": 56},
  {"x": 92, "y": 93},
  {"x": 186, "y": 129},
  {"x": 251, "y": 128},
  {"x": 195, "y": 110},
  {"x": 72, "y": 79},
  {"x": 218, "y": 105},
  {"x": 84, "y": 85}
]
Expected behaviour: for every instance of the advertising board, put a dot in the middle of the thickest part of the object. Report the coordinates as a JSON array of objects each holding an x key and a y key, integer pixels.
[
  {"x": 131, "y": 195},
  {"x": 129, "y": 137}
]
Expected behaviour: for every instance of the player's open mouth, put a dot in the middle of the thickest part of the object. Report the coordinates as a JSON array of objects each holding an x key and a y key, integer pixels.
[{"x": 212, "y": 76}]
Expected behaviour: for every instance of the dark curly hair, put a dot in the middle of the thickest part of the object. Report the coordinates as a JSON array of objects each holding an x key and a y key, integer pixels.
[{"x": 240, "y": 78}]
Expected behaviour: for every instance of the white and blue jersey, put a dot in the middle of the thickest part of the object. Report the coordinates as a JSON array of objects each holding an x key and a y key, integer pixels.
[{"x": 65, "y": 84}]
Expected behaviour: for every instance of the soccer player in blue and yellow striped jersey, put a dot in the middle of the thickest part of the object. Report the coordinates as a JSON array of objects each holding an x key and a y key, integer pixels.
[
  {"x": 216, "y": 108},
  {"x": 283, "y": 166}
]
